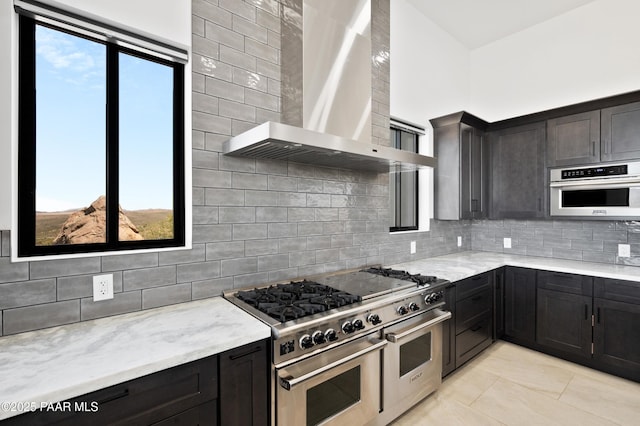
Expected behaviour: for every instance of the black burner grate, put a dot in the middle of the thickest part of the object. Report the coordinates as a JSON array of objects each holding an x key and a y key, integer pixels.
[
  {"x": 402, "y": 275},
  {"x": 296, "y": 299}
]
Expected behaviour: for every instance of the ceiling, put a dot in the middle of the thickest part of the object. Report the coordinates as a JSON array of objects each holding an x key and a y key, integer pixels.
[{"x": 475, "y": 23}]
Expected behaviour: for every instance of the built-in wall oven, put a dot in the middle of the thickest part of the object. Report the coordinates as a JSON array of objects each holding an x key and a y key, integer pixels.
[
  {"x": 608, "y": 191},
  {"x": 356, "y": 348}
]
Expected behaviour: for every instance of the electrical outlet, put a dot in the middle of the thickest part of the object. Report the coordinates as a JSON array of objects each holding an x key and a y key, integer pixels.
[
  {"x": 102, "y": 287},
  {"x": 413, "y": 247},
  {"x": 624, "y": 250},
  {"x": 459, "y": 241},
  {"x": 507, "y": 243}
]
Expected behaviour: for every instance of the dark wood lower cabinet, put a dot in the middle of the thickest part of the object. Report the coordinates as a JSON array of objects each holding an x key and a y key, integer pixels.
[
  {"x": 520, "y": 305},
  {"x": 228, "y": 389},
  {"x": 474, "y": 316},
  {"x": 449, "y": 332}
]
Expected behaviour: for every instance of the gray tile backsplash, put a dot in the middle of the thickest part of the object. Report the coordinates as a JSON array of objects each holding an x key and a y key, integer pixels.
[{"x": 256, "y": 221}]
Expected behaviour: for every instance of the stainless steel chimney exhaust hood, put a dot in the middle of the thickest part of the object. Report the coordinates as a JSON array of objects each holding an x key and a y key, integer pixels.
[{"x": 279, "y": 141}]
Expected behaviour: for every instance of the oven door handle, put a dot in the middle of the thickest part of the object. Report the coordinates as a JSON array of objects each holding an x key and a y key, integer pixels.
[
  {"x": 598, "y": 183},
  {"x": 440, "y": 317},
  {"x": 288, "y": 382}
]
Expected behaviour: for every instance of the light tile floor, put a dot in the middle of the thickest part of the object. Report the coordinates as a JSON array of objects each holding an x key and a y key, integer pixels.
[{"x": 511, "y": 385}]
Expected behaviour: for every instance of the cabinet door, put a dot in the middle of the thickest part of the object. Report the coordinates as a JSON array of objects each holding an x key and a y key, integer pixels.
[
  {"x": 449, "y": 332},
  {"x": 564, "y": 321},
  {"x": 574, "y": 139},
  {"x": 474, "y": 159},
  {"x": 621, "y": 132},
  {"x": 616, "y": 338},
  {"x": 498, "y": 305},
  {"x": 244, "y": 386},
  {"x": 520, "y": 305},
  {"x": 517, "y": 179}
]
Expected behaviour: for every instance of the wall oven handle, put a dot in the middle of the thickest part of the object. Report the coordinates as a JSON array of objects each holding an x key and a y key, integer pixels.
[
  {"x": 603, "y": 183},
  {"x": 440, "y": 317},
  {"x": 288, "y": 382}
]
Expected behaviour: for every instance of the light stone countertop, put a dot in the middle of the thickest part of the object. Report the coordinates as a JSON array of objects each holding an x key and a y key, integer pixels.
[
  {"x": 63, "y": 362},
  {"x": 458, "y": 266}
]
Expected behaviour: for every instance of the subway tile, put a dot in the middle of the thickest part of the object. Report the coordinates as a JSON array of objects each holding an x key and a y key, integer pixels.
[
  {"x": 163, "y": 296},
  {"x": 577, "y": 234},
  {"x": 302, "y": 258},
  {"x": 211, "y": 233},
  {"x": 204, "y": 46},
  {"x": 271, "y": 214},
  {"x": 225, "y": 250},
  {"x": 197, "y": 84},
  {"x": 268, "y": 20},
  {"x": 292, "y": 199},
  {"x": 5, "y": 243},
  {"x": 262, "y": 50},
  {"x": 246, "y": 280},
  {"x": 14, "y": 295},
  {"x": 271, "y": 6},
  {"x": 271, "y": 167},
  {"x": 198, "y": 271},
  {"x": 249, "y": 181},
  {"x": 35, "y": 317},
  {"x": 283, "y": 230},
  {"x": 310, "y": 185},
  {"x": 197, "y": 26},
  {"x": 327, "y": 255},
  {"x": 197, "y": 196},
  {"x": 195, "y": 254},
  {"x": 261, "y": 198},
  {"x": 332, "y": 187},
  {"x": 252, "y": 80},
  {"x": 273, "y": 262},
  {"x": 319, "y": 200},
  {"x": 598, "y": 256},
  {"x": 129, "y": 261},
  {"x": 619, "y": 236},
  {"x": 283, "y": 274},
  {"x": 63, "y": 267},
  {"x": 300, "y": 214},
  {"x": 268, "y": 69},
  {"x": 237, "y": 215},
  {"x": 203, "y": 159},
  {"x": 282, "y": 183},
  {"x": 211, "y": 12},
  {"x": 249, "y": 231},
  {"x": 224, "y": 197},
  {"x": 286, "y": 245},
  {"x": 326, "y": 214},
  {"x": 262, "y": 100},
  {"x": 333, "y": 228},
  {"x": 231, "y": 267},
  {"x": 260, "y": 247},
  {"x": 309, "y": 228},
  {"x": 587, "y": 245},
  {"x": 563, "y": 253},
  {"x": 138, "y": 279},
  {"x": 210, "y": 288},
  {"x": 211, "y": 123},
  {"x": 204, "y": 103},
  {"x": 77, "y": 287},
  {"x": 237, "y": 58},
  {"x": 205, "y": 215},
  {"x": 211, "y": 178},
  {"x": 10, "y": 272},
  {"x": 239, "y": 126},
  {"x": 237, "y": 111},
  {"x": 122, "y": 303},
  {"x": 250, "y": 29},
  {"x": 223, "y": 88},
  {"x": 220, "y": 34},
  {"x": 239, "y": 8}
]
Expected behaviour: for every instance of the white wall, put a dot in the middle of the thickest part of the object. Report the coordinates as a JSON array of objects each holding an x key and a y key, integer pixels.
[
  {"x": 167, "y": 20},
  {"x": 588, "y": 53},
  {"x": 429, "y": 68}
]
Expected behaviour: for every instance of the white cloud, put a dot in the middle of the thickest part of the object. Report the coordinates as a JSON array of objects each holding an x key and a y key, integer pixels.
[{"x": 44, "y": 204}]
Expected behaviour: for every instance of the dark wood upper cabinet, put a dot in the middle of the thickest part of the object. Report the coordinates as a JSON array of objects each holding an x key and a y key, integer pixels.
[
  {"x": 518, "y": 172},
  {"x": 621, "y": 132},
  {"x": 573, "y": 139},
  {"x": 462, "y": 175}
]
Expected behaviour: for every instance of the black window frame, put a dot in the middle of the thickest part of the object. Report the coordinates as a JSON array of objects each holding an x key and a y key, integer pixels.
[
  {"x": 27, "y": 149},
  {"x": 396, "y": 203}
]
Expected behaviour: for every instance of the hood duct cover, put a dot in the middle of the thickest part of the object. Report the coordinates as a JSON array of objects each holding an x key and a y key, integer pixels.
[
  {"x": 326, "y": 93},
  {"x": 277, "y": 141}
]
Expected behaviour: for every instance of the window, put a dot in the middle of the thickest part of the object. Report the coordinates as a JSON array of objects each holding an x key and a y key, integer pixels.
[
  {"x": 101, "y": 143},
  {"x": 403, "y": 185}
]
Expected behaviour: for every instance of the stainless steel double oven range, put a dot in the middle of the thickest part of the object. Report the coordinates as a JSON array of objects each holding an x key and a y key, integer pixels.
[{"x": 356, "y": 347}]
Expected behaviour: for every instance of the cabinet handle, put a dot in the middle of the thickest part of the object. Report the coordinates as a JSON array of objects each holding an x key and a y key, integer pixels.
[
  {"x": 474, "y": 205},
  {"x": 539, "y": 204},
  {"x": 477, "y": 327},
  {"x": 243, "y": 354},
  {"x": 593, "y": 148},
  {"x": 122, "y": 393},
  {"x": 598, "y": 315},
  {"x": 585, "y": 312},
  {"x": 476, "y": 298}
]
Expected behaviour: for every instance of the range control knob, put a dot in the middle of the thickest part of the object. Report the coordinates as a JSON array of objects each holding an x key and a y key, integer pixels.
[
  {"x": 347, "y": 327},
  {"x": 306, "y": 342},
  {"x": 358, "y": 325},
  {"x": 331, "y": 335},
  {"x": 374, "y": 319},
  {"x": 402, "y": 310},
  {"x": 318, "y": 338},
  {"x": 414, "y": 307}
]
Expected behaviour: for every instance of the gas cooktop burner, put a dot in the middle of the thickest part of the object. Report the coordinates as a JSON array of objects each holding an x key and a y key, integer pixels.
[
  {"x": 297, "y": 299},
  {"x": 402, "y": 275}
]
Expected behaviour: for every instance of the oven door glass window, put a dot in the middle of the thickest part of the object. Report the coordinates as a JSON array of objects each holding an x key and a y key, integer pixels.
[
  {"x": 414, "y": 353},
  {"x": 614, "y": 197},
  {"x": 333, "y": 396}
]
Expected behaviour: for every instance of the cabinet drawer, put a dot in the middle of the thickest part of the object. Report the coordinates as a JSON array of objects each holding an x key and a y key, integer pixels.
[
  {"x": 475, "y": 284},
  {"x": 566, "y": 283},
  {"x": 142, "y": 401},
  {"x": 473, "y": 340},
  {"x": 469, "y": 310},
  {"x": 618, "y": 290}
]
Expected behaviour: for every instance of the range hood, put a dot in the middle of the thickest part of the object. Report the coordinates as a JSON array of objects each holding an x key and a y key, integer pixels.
[
  {"x": 280, "y": 141},
  {"x": 326, "y": 63}
]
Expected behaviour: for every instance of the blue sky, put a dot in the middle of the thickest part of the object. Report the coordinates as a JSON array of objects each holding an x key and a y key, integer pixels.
[{"x": 70, "y": 84}]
